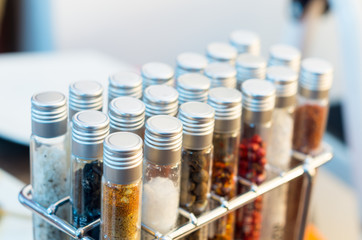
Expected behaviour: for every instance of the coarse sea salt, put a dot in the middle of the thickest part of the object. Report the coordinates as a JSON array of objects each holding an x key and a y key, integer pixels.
[
  {"x": 160, "y": 204},
  {"x": 50, "y": 184}
]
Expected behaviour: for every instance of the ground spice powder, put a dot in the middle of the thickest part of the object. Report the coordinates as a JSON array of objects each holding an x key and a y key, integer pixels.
[
  {"x": 121, "y": 211},
  {"x": 309, "y": 126}
]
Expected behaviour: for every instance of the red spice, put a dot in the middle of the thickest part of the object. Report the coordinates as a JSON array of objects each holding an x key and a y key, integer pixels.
[{"x": 252, "y": 163}]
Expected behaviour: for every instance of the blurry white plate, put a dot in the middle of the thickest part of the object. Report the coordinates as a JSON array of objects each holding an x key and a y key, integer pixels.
[{"x": 23, "y": 74}]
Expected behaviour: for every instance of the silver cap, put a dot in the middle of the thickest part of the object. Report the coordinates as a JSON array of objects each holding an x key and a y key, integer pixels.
[
  {"x": 285, "y": 81},
  {"x": 284, "y": 55},
  {"x": 315, "y": 78},
  {"x": 221, "y": 75},
  {"x": 227, "y": 105},
  {"x": 198, "y": 125},
  {"x": 245, "y": 42},
  {"x": 221, "y": 52},
  {"x": 258, "y": 100},
  {"x": 48, "y": 114},
  {"x": 154, "y": 73},
  {"x": 127, "y": 114},
  {"x": 89, "y": 129},
  {"x": 160, "y": 100},
  {"x": 249, "y": 66},
  {"x": 124, "y": 84},
  {"x": 163, "y": 140},
  {"x": 192, "y": 87},
  {"x": 85, "y": 95},
  {"x": 122, "y": 158},
  {"x": 190, "y": 62}
]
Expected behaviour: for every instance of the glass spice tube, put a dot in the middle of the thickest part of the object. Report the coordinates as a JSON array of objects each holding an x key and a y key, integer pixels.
[
  {"x": 157, "y": 73},
  {"x": 245, "y": 42},
  {"x": 122, "y": 187},
  {"x": 161, "y": 173},
  {"x": 124, "y": 84},
  {"x": 89, "y": 129},
  {"x": 221, "y": 52},
  {"x": 258, "y": 105},
  {"x": 227, "y": 105},
  {"x": 160, "y": 100},
  {"x": 221, "y": 75},
  {"x": 278, "y": 150},
  {"x": 310, "y": 120},
  {"x": 192, "y": 87},
  {"x": 190, "y": 62},
  {"x": 197, "y": 152},
  {"x": 49, "y": 155},
  {"x": 127, "y": 114}
]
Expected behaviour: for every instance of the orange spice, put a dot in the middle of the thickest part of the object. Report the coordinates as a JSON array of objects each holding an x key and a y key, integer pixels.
[{"x": 121, "y": 211}]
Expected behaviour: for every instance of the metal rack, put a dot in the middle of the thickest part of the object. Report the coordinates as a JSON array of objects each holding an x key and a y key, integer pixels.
[{"x": 307, "y": 168}]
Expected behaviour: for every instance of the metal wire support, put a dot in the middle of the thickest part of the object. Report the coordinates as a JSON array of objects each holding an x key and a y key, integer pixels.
[
  {"x": 49, "y": 214},
  {"x": 307, "y": 168}
]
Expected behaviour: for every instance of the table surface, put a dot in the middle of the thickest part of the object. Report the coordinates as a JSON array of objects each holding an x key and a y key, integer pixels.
[{"x": 23, "y": 74}]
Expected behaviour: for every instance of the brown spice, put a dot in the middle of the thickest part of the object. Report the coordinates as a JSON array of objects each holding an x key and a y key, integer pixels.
[
  {"x": 309, "y": 125},
  {"x": 223, "y": 181},
  {"x": 121, "y": 211}
]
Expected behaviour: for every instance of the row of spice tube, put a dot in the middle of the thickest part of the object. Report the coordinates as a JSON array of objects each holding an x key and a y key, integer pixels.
[{"x": 227, "y": 117}]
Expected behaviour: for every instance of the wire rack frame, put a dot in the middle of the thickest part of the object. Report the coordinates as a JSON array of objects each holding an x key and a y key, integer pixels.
[{"x": 308, "y": 166}]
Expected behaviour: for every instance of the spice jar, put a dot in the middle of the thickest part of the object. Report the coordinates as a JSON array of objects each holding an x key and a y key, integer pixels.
[
  {"x": 161, "y": 173},
  {"x": 221, "y": 75},
  {"x": 89, "y": 129},
  {"x": 192, "y": 87},
  {"x": 258, "y": 104},
  {"x": 221, "y": 52},
  {"x": 122, "y": 187},
  {"x": 249, "y": 66},
  {"x": 127, "y": 114},
  {"x": 284, "y": 55},
  {"x": 284, "y": 80},
  {"x": 85, "y": 95},
  {"x": 124, "y": 84},
  {"x": 190, "y": 62},
  {"x": 245, "y": 42},
  {"x": 310, "y": 120},
  {"x": 49, "y": 154},
  {"x": 160, "y": 100},
  {"x": 155, "y": 73},
  {"x": 197, "y": 152},
  {"x": 226, "y": 138}
]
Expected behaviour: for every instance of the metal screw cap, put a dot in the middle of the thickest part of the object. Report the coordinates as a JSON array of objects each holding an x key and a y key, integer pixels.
[
  {"x": 221, "y": 52},
  {"x": 124, "y": 84},
  {"x": 163, "y": 140},
  {"x": 127, "y": 114},
  {"x": 89, "y": 129},
  {"x": 221, "y": 75},
  {"x": 316, "y": 77},
  {"x": 160, "y": 100},
  {"x": 192, "y": 87},
  {"x": 245, "y": 42},
  {"x": 157, "y": 73},
  {"x": 198, "y": 124},
  {"x": 48, "y": 114},
  {"x": 123, "y": 157},
  {"x": 85, "y": 95},
  {"x": 227, "y": 105}
]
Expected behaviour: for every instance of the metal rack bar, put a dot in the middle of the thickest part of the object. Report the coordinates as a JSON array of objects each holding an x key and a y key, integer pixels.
[
  {"x": 49, "y": 214},
  {"x": 307, "y": 168}
]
